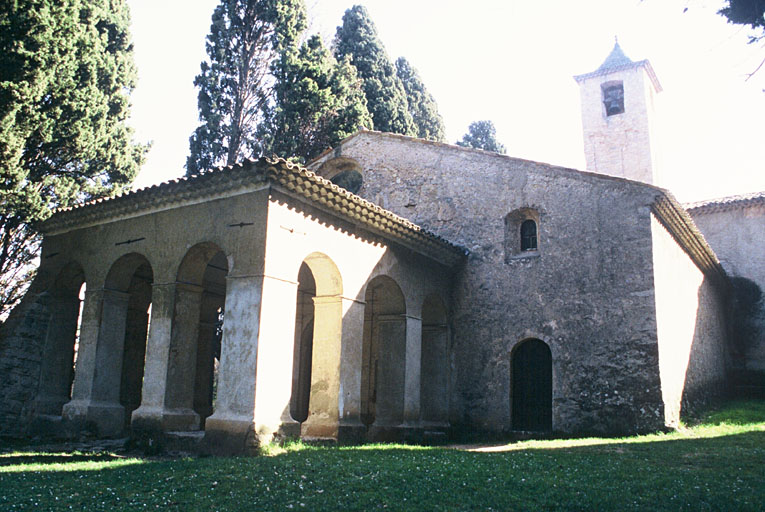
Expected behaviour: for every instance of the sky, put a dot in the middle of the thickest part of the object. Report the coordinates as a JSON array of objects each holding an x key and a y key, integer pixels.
[{"x": 511, "y": 62}]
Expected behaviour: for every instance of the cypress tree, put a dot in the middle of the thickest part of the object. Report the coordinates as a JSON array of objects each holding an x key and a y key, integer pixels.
[
  {"x": 422, "y": 106},
  {"x": 482, "y": 135},
  {"x": 386, "y": 99},
  {"x": 318, "y": 101},
  {"x": 235, "y": 82},
  {"x": 67, "y": 69}
]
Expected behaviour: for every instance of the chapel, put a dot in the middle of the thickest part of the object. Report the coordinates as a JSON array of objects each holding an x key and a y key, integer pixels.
[{"x": 393, "y": 289}]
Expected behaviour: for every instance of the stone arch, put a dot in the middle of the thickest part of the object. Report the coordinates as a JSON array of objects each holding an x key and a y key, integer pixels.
[
  {"x": 317, "y": 352},
  {"x": 61, "y": 340},
  {"x": 531, "y": 389},
  {"x": 434, "y": 363},
  {"x": 383, "y": 353},
  {"x": 124, "y": 326},
  {"x": 196, "y": 337},
  {"x": 344, "y": 172}
]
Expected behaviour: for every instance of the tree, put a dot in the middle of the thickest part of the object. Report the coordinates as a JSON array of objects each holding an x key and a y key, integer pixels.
[
  {"x": 482, "y": 135},
  {"x": 746, "y": 12},
  {"x": 422, "y": 106},
  {"x": 67, "y": 70},
  {"x": 386, "y": 99},
  {"x": 318, "y": 101},
  {"x": 235, "y": 84}
]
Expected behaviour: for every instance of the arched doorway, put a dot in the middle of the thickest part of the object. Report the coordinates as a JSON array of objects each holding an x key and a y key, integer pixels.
[
  {"x": 196, "y": 337},
  {"x": 434, "y": 363},
  {"x": 57, "y": 365},
  {"x": 383, "y": 353},
  {"x": 532, "y": 386},
  {"x": 318, "y": 335},
  {"x": 122, "y": 337}
]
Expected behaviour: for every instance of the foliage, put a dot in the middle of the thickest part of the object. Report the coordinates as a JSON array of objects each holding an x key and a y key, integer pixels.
[
  {"x": 235, "y": 83},
  {"x": 386, "y": 99},
  {"x": 746, "y": 12},
  {"x": 482, "y": 135},
  {"x": 67, "y": 69},
  {"x": 716, "y": 465},
  {"x": 422, "y": 106},
  {"x": 318, "y": 101}
]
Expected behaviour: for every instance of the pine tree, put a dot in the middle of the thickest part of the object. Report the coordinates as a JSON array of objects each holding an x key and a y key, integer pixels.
[
  {"x": 422, "y": 106},
  {"x": 318, "y": 101},
  {"x": 482, "y": 135},
  {"x": 235, "y": 83},
  {"x": 386, "y": 99},
  {"x": 67, "y": 69}
]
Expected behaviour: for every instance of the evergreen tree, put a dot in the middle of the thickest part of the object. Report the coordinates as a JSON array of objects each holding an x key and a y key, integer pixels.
[
  {"x": 422, "y": 106},
  {"x": 386, "y": 99},
  {"x": 67, "y": 69},
  {"x": 318, "y": 101},
  {"x": 235, "y": 85},
  {"x": 482, "y": 135}
]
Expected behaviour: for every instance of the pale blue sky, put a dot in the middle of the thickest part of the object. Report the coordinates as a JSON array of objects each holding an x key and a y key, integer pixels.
[{"x": 512, "y": 62}]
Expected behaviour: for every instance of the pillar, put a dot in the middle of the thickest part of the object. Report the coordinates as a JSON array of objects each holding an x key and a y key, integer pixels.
[
  {"x": 323, "y": 410},
  {"x": 351, "y": 428},
  {"x": 412, "y": 372}
]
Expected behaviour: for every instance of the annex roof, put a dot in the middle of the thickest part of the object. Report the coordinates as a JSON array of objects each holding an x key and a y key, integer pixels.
[
  {"x": 252, "y": 175},
  {"x": 726, "y": 203}
]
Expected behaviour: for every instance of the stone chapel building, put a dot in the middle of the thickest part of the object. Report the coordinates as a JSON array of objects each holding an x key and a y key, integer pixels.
[{"x": 396, "y": 288}]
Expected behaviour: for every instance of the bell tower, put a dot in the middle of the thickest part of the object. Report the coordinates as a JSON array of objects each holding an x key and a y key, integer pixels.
[{"x": 618, "y": 118}]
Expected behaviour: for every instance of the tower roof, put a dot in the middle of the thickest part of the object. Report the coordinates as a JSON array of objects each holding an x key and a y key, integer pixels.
[
  {"x": 615, "y": 59},
  {"x": 618, "y": 61}
]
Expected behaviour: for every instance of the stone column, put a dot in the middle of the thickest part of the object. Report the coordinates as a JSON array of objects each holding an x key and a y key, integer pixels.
[
  {"x": 86, "y": 355},
  {"x": 58, "y": 355},
  {"x": 434, "y": 376},
  {"x": 323, "y": 409},
  {"x": 412, "y": 372},
  {"x": 178, "y": 413},
  {"x": 148, "y": 417},
  {"x": 203, "y": 384},
  {"x": 275, "y": 359},
  {"x": 351, "y": 428},
  {"x": 97, "y": 394},
  {"x": 231, "y": 428}
]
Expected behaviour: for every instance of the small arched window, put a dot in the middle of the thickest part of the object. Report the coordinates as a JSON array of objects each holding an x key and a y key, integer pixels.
[
  {"x": 613, "y": 97},
  {"x": 528, "y": 235}
]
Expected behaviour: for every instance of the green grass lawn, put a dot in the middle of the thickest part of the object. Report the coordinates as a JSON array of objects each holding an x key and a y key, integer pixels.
[{"x": 718, "y": 464}]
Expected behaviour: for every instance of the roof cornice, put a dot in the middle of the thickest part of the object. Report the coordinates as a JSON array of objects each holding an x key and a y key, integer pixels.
[
  {"x": 247, "y": 177},
  {"x": 722, "y": 204},
  {"x": 681, "y": 227},
  {"x": 645, "y": 64}
]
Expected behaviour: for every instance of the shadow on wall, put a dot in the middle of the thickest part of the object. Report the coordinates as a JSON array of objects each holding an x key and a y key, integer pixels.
[
  {"x": 746, "y": 317},
  {"x": 706, "y": 378}
]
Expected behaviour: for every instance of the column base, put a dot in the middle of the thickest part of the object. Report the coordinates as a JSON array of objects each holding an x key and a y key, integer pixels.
[
  {"x": 179, "y": 420},
  {"x": 230, "y": 436},
  {"x": 106, "y": 418},
  {"x": 351, "y": 432},
  {"x": 319, "y": 430}
]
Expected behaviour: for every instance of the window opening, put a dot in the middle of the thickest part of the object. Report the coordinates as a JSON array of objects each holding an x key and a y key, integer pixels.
[
  {"x": 529, "y": 235},
  {"x": 613, "y": 98}
]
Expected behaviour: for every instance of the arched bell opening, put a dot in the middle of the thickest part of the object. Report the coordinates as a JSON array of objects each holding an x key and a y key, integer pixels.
[
  {"x": 383, "y": 353},
  {"x": 532, "y": 386}
]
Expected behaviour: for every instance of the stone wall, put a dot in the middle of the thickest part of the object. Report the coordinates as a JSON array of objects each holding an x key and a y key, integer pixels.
[
  {"x": 586, "y": 292},
  {"x": 735, "y": 229},
  {"x": 690, "y": 315}
]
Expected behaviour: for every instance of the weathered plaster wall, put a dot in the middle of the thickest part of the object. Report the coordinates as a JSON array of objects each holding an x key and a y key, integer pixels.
[
  {"x": 163, "y": 238},
  {"x": 587, "y": 292},
  {"x": 737, "y": 235},
  {"x": 690, "y": 317}
]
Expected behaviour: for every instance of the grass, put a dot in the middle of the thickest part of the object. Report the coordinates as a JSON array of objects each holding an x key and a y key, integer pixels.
[{"x": 717, "y": 464}]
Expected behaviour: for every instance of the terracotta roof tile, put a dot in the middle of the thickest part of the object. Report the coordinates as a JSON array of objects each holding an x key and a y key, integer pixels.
[{"x": 726, "y": 203}]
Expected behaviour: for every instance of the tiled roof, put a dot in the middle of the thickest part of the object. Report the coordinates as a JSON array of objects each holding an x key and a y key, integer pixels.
[
  {"x": 251, "y": 175},
  {"x": 680, "y": 225},
  {"x": 618, "y": 61},
  {"x": 726, "y": 203}
]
